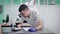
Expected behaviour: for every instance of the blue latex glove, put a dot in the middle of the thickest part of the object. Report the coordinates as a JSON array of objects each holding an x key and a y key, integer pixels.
[{"x": 32, "y": 29}]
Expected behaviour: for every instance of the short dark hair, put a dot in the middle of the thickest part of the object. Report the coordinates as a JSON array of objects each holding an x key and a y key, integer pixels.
[{"x": 22, "y": 7}]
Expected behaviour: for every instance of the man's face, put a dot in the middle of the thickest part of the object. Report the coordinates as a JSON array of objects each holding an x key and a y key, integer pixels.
[{"x": 25, "y": 12}]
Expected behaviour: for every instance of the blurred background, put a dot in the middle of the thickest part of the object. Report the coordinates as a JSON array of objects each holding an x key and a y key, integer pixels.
[{"x": 50, "y": 10}]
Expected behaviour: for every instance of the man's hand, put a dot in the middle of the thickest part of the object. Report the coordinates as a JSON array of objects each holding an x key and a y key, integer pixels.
[{"x": 40, "y": 25}]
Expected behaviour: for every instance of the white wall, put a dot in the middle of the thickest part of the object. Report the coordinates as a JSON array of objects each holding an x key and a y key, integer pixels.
[
  {"x": 12, "y": 10},
  {"x": 50, "y": 15}
]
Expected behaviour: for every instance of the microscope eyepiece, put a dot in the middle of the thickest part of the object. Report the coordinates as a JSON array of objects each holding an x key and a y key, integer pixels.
[{"x": 25, "y": 21}]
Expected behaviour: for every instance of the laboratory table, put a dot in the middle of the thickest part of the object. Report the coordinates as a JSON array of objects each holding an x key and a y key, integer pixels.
[{"x": 43, "y": 31}]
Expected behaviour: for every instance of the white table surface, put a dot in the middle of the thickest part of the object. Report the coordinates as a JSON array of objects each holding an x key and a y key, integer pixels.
[{"x": 43, "y": 31}]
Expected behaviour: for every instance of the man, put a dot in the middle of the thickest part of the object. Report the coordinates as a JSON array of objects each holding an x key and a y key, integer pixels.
[{"x": 30, "y": 16}]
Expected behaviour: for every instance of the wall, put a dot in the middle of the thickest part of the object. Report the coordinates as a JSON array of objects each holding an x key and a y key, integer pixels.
[
  {"x": 51, "y": 16},
  {"x": 2, "y": 14}
]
